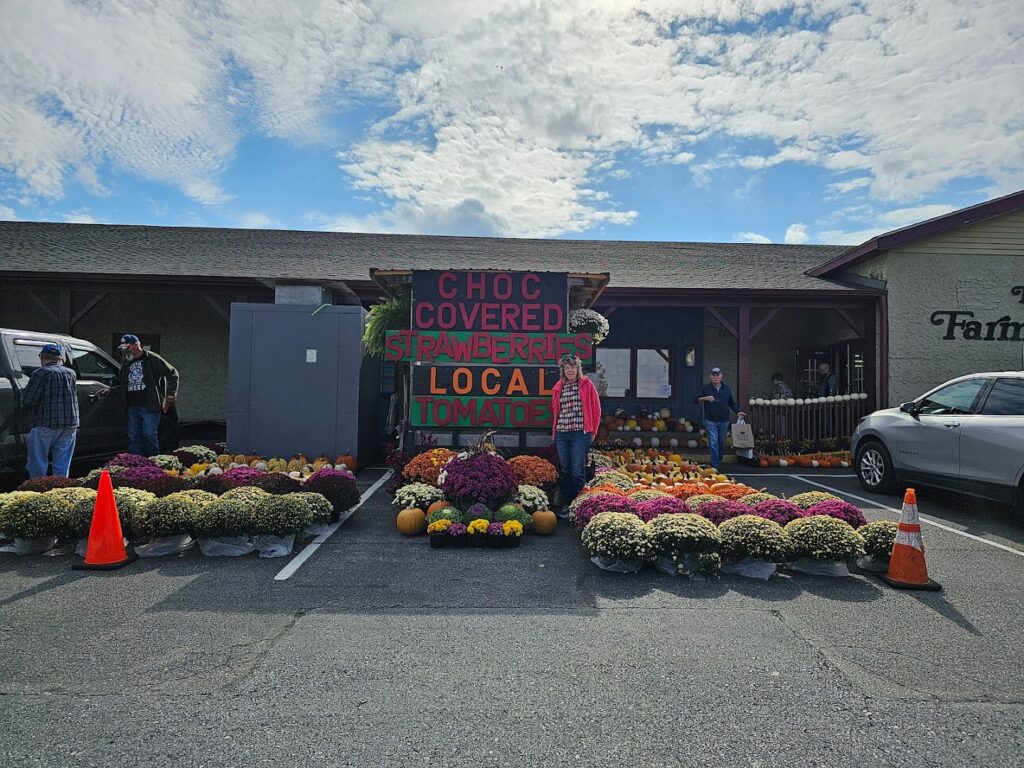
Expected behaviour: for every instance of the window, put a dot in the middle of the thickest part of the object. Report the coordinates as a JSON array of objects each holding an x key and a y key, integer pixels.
[
  {"x": 1006, "y": 398},
  {"x": 94, "y": 367},
  {"x": 634, "y": 373},
  {"x": 28, "y": 355},
  {"x": 956, "y": 398}
]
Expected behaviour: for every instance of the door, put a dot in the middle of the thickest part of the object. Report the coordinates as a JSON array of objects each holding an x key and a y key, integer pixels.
[
  {"x": 104, "y": 425},
  {"x": 992, "y": 442},
  {"x": 927, "y": 443}
]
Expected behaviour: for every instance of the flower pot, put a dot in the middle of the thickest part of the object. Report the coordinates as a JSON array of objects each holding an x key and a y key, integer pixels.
[
  {"x": 512, "y": 541},
  {"x": 495, "y": 541},
  {"x": 438, "y": 540},
  {"x": 477, "y": 539},
  {"x": 459, "y": 542}
]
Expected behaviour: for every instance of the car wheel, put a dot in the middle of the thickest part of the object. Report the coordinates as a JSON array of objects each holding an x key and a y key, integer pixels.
[{"x": 874, "y": 468}]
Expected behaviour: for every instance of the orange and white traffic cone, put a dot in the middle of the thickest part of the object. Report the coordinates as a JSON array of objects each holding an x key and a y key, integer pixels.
[
  {"x": 105, "y": 549},
  {"x": 907, "y": 569}
]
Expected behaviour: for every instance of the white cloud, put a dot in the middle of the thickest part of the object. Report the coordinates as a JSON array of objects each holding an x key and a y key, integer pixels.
[
  {"x": 258, "y": 220},
  {"x": 840, "y": 237},
  {"x": 796, "y": 234},
  {"x": 902, "y": 217},
  {"x": 81, "y": 216},
  {"x": 503, "y": 114},
  {"x": 751, "y": 237},
  {"x": 7, "y": 213}
]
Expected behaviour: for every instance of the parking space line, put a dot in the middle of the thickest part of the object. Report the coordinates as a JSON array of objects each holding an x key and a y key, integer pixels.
[
  {"x": 781, "y": 474},
  {"x": 924, "y": 519},
  {"x": 314, "y": 545}
]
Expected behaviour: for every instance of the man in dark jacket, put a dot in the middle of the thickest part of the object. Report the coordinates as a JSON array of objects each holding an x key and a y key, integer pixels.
[
  {"x": 149, "y": 386},
  {"x": 717, "y": 399},
  {"x": 51, "y": 397}
]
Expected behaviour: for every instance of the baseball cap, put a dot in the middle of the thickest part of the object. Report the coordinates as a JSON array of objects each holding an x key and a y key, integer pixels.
[
  {"x": 51, "y": 349},
  {"x": 128, "y": 338},
  {"x": 716, "y": 370}
]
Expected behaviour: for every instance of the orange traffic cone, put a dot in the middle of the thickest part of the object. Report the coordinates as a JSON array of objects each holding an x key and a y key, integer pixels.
[
  {"x": 105, "y": 550},
  {"x": 906, "y": 563}
]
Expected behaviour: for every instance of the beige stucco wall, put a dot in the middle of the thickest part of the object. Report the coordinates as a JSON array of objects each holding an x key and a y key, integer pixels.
[
  {"x": 972, "y": 269},
  {"x": 193, "y": 338}
]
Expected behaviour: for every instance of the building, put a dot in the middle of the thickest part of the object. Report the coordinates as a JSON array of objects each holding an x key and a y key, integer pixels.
[{"x": 894, "y": 316}]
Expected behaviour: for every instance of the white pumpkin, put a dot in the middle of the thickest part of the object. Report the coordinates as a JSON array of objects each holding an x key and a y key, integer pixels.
[
  {"x": 637, "y": 428},
  {"x": 783, "y": 463},
  {"x": 830, "y": 399},
  {"x": 790, "y": 401},
  {"x": 665, "y": 413},
  {"x": 295, "y": 474},
  {"x": 215, "y": 470},
  {"x": 799, "y": 401},
  {"x": 655, "y": 442},
  {"x": 637, "y": 442},
  {"x": 673, "y": 443},
  {"x": 773, "y": 401},
  {"x": 260, "y": 465},
  {"x": 691, "y": 443},
  {"x": 654, "y": 429},
  {"x": 814, "y": 463},
  {"x": 689, "y": 427}
]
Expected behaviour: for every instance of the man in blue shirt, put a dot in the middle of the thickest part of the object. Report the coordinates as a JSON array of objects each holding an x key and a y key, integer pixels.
[
  {"x": 52, "y": 399},
  {"x": 717, "y": 399}
]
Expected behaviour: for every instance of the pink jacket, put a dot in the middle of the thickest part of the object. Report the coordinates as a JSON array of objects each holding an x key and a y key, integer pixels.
[{"x": 591, "y": 406}]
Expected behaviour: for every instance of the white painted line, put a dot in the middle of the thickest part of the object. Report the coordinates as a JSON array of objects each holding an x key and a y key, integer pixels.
[
  {"x": 780, "y": 474},
  {"x": 924, "y": 519},
  {"x": 314, "y": 545}
]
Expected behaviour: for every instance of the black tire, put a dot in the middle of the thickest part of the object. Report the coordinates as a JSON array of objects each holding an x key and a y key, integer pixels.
[{"x": 874, "y": 468}]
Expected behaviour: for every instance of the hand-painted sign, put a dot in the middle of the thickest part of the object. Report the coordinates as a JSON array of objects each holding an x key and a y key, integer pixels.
[
  {"x": 1004, "y": 328},
  {"x": 485, "y": 347}
]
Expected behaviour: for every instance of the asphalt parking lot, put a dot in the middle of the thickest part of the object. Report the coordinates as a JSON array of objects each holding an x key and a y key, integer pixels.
[{"x": 380, "y": 651}]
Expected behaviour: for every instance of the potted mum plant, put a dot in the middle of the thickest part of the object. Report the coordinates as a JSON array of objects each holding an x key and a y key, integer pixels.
[
  {"x": 167, "y": 523},
  {"x": 438, "y": 532},
  {"x": 879, "y": 537},
  {"x": 477, "y": 532},
  {"x": 752, "y": 545},
  {"x": 512, "y": 531},
  {"x": 223, "y": 526},
  {"x": 617, "y": 541},
  {"x": 276, "y": 520},
  {"x": 822, "y": 545},
  {"x": 685, "y": 544},
  {"x": 458, "y": 536},
  {"x": 495, "y": 535}
]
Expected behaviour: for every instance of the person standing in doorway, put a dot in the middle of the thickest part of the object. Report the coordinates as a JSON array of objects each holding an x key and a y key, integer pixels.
[
  {"x": 717, "y": 400},
  {"x": 575, "y": 418},
  {"x": 150, "y": 387},
  {"x": 51, "y": 397},
  {"x": 827, "y": 383}
]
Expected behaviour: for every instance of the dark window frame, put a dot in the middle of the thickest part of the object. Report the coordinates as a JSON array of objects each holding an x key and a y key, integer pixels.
[
  {"x": 631, "y": 392},
  {"x": 988, "y": 394}
]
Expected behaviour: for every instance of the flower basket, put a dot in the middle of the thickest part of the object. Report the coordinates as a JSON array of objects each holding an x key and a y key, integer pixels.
[
  {"x": 495, "y": 541},
  {"x": 460, "y": 541},
  {"x": 478, "y": 540},
  {"x": 438, "y": 540}
]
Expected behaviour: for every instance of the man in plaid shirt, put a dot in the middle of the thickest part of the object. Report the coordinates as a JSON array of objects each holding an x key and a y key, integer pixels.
[{"x": 51, "y": 397}]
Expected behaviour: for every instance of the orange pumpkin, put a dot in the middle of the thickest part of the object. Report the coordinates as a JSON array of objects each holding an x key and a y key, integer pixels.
[
  {"x": 773, "y": 461},
  {"x": 411, "y": 521},
  {"x": 348, "y": 460},
  {"x": 544, "y": 522},
  {"x": 762, "y": 463}
]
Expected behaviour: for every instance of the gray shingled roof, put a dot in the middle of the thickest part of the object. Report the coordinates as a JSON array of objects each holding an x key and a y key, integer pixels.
[{"x": 102, "y": 249}]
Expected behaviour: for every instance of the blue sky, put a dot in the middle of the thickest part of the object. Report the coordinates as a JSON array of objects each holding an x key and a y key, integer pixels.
[{"x": 688, "y": 120}]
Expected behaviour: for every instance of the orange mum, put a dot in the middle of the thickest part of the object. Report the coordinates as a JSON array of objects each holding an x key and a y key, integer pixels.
[
  {"x": 426, "y": 466},
  {"x": 686, "y": 490},
  {"x": 533, "y": 470}
]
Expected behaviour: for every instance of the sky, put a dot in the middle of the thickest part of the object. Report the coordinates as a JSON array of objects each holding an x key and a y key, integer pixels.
[{"x": 814, "y": 121}]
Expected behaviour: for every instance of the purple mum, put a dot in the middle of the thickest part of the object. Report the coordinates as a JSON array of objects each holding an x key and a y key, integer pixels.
[
  {"x": 129, "y": 460},
  {"x": 602, "y": 502},
  {"x": 663, "y": 505},
  {"x": 338, "y": 485},
  {"x": 484, "y": 478},
  {"x": 839, "y": 509},
  {"x": 720, "y": 511},
  {"x": 239, "y": 476},
  {"x": 778, "y": 510}
]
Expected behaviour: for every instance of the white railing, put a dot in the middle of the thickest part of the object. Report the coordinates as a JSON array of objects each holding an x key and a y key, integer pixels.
[{"x": 814, "y": 418}]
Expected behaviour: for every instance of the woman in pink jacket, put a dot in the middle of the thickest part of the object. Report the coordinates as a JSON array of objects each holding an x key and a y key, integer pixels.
[{"x": 575, "y": 417}]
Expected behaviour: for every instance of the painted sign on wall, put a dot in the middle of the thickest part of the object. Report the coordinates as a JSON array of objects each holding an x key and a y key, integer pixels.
[
  {"x": 485, "y": 346},
  {"x": 962, "y": 323}
]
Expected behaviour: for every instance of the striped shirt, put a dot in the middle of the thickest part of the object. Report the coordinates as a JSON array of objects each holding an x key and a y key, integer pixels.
[
  {"x": 570, "y": 408},
  {"x": 52, "y": 397}
]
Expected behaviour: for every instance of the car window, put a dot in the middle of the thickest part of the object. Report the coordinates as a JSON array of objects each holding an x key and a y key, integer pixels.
[
  {"x": 92, "y": 366},
  {"x": 1005, "y": 399},
  {"x": 27, "y": 355},
  {"x": 956, "y": 398}
]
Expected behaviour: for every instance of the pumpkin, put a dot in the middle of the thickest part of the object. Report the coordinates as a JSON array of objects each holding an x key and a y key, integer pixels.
[
  {"x": 773, "y": 461},
  {"x": 241, "y": 458},
  {"x": 198, "y": 469},
  {"x": 437, "y": 506},
  {"x": 762, "y": 463},
  {"x": 345, "y": 461},
  {"x": 664, "y": 413},
  {"x": 660, "y": 425},
  {"x": 544, "y": 522},
  {"x": 411, "y": 521},
  {"x": 224, "y": 460}
]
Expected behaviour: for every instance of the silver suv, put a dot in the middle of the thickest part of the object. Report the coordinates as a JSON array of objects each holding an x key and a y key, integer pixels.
[{"x": 966, "y": 435}]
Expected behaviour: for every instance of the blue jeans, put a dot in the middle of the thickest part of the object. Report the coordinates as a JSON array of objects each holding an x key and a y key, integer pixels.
[
  {"x": 717, "y": 430},
  {"x": 143, "y": 425},
  {"x": 572, "y": 450},
  {"x": 41, "y": 441}
]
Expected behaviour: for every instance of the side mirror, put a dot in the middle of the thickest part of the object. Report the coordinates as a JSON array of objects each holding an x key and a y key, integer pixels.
[{"x": 910, "y": 408}]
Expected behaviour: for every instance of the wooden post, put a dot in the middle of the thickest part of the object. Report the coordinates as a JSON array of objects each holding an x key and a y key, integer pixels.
[{"x": 743, "y": 364}]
